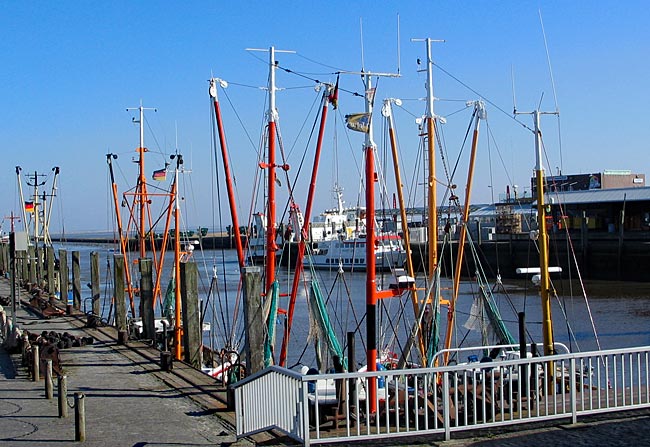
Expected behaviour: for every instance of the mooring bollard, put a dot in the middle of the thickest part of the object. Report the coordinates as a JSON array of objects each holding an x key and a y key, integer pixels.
[
  {"x": 63, "y": 396},
  {"x": 79, "y": 417},
  {"x": 49, "y": 386},
  {"x": 122, "y": 337},
  {"x": 36, "y": 364},
  {"x": 166, "y": 361}
]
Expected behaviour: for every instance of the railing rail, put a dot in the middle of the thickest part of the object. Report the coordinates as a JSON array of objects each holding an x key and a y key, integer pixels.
[{"x": 414, "y": 402}]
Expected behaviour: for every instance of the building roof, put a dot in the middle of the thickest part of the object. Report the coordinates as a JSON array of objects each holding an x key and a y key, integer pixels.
[{"x": 600, "y": 195}]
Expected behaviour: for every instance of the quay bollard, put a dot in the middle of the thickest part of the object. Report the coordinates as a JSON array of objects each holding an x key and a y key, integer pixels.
[
  {"x": 49, "y": 386},
  {"x": 63, "y": 396},
  {"x": 36, "y": 364},
  {"x": 79, "y": 417},
  {"x": 122, "y": 337},
  {"x": 166, "y": 361}
]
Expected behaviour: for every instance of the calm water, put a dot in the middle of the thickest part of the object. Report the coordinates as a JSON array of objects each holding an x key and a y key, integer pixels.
[{"x": 620, "y": 312}]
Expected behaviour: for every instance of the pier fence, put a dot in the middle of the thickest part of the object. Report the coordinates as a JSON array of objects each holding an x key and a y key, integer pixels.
[{"x": 325, "y": 408}]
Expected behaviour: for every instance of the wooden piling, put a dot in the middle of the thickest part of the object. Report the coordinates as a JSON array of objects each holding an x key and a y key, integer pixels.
[
  {"x": 49, "y": 386},
  {"x": 254, "y": 317},
  {"x": 49, "y": 270},
  {"x": 79, "y": 417},
  {"x": 118, "y": 292},
  {"x": 62, "y": 383},
  {"x": 36, "y": 364},
  {"x": 191, "y": 314},
  {"x": 94, "y": 282},
  {"x": 76, "y": 280},
  {"x": 146, "y": 299},
  {"x": 63, "y": 275}
]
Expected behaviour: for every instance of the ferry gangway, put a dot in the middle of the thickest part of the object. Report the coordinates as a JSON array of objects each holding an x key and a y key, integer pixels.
[{"x": 326, "y": 408}]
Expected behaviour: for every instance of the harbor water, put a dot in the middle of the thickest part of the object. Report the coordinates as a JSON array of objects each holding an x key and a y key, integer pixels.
[{"x": 619, "y": 312}]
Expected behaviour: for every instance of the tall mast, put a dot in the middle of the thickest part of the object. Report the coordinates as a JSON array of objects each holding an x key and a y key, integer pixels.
[
  {"x": 371, "y": 286},
  {"x": 431, "y": 179},
  {"x": 271, "y": 246},
  {"x": 141, "y": 190},
  {"x": 547, "y": 323},
  {"x": 177, "y": 262}
]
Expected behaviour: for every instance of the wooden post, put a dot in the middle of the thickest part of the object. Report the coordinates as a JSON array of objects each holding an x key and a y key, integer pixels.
[
  {"x": 191, "y": 318},
  {"x": 36, "y": 364},
  {"x": 118, "y": 293},
  {"x": 76, "y": 280},
  {"x": 254, "y": 318},
  {"x": 49, "y": 386},
  {"x": 146, "y": 299},
  {"x": 49, "y": 259},
  {"x": 94, "y": 282},
  {"x": 28, "y": 267},
  {"x": 63, "y": 275},
  {"x": 79, "y": 417},
  {"x": 63, "y": 396}
]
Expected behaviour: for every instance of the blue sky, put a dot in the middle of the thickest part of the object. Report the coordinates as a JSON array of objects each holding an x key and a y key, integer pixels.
[{"x": 70, "y": 69}]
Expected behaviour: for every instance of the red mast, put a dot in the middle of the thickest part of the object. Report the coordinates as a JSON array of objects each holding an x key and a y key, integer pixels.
[
  {"x": 226, "y": 169},
  {"x": 328, "y": 96}
]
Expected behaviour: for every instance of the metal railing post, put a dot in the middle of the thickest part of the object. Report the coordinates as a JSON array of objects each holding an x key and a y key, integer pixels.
[
  {"x": 304, "y": 413},
  {"x": 445, "y": 405},
  {"x": 573, "y": 393}
]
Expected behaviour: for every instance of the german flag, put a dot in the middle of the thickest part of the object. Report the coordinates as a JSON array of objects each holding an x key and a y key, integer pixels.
[
  {"x": 29, "y": 207},
  {"x": 160, "y": 175}
]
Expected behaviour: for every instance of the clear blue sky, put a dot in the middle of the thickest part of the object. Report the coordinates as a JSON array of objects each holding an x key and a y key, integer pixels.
[{"x": 70, "y": 69}]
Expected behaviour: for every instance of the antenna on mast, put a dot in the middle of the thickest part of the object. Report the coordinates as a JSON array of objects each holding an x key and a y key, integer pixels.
[
  {"x": 550, "y": 71},
  {"x": 363, "y": 65},
  {"x": 514, "y": 97},
  {"x": 398, "y": 46}
]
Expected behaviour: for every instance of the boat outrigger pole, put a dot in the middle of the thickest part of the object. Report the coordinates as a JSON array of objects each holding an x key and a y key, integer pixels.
[
  {"x": 479, "y": 113},
  {"x": 387, "y": 112},
  {"x": 118, "y": 217},
  {"x": 329, "y": 96},
  {"x": 226, "y": 168}
]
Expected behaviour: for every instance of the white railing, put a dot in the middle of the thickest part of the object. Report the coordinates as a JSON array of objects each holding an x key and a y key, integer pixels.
[
  {"x": 271, "y": 399},
  {"x": 335, "y": 408}
]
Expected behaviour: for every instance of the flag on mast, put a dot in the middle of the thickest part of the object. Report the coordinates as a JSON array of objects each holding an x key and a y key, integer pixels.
[
  {"x": 358, "y": 121},
  {"x": 29, "y": 207},
  {"x": 160, "y": 175}
]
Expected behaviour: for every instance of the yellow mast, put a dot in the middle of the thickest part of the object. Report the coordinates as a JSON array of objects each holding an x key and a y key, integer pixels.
[
  {"x": 479, "y": 112},
  {"x": 387, "y": 111},
  {"x": 547, "y": 323}
]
